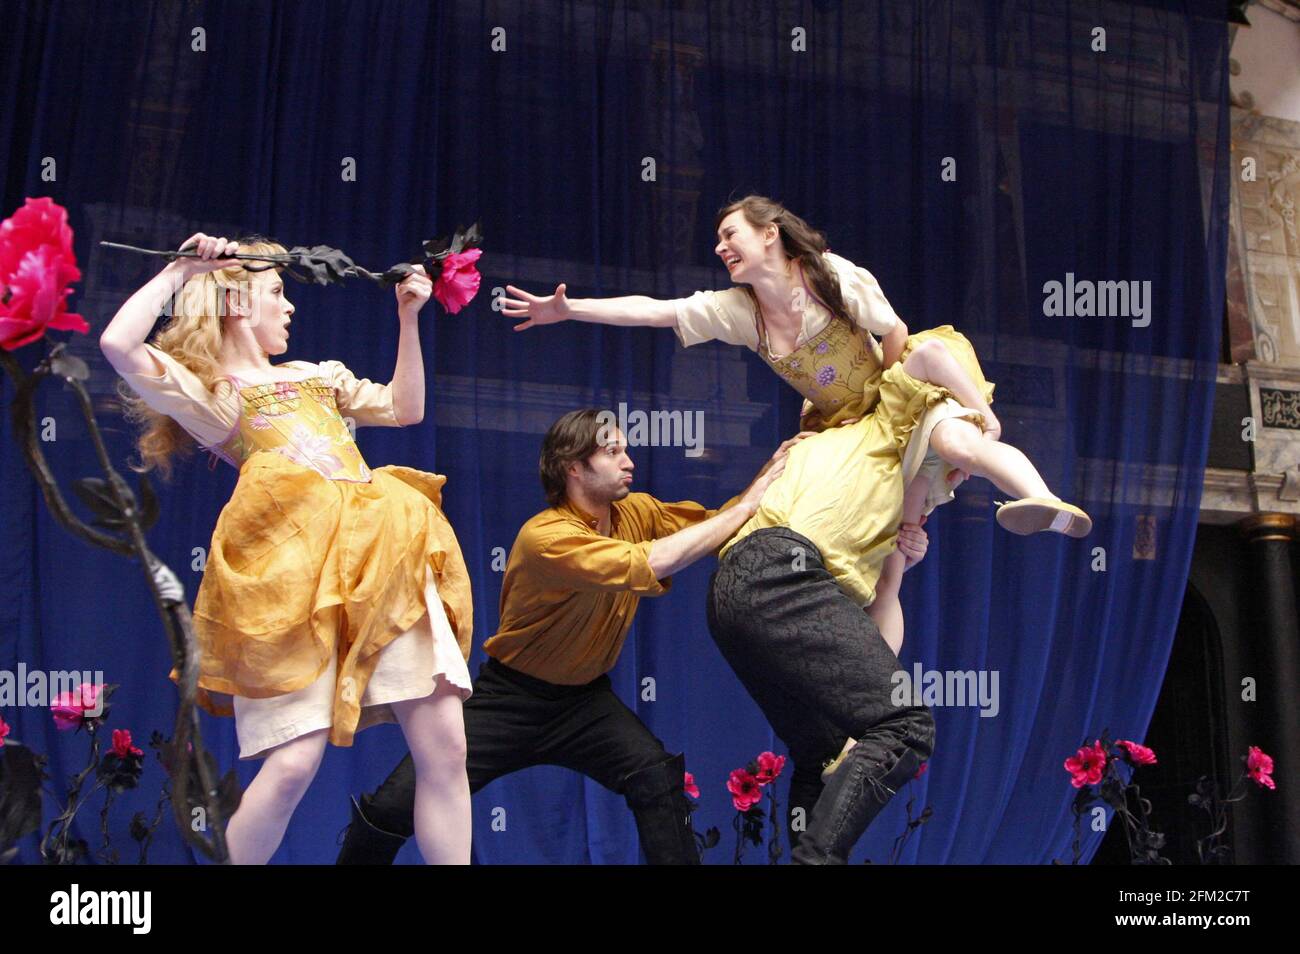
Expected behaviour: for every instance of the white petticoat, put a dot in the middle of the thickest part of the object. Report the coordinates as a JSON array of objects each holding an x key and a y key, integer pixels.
[
  {"x": 407, "y": 669},
  {"x": 919, "y": 457}
]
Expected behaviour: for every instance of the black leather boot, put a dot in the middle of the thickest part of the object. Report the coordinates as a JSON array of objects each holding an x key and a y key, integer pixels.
[
  {"x": 855, "y": 793},
  {"x": 364, "y": 844},
  {"x": 663, "y": 819},
  {"x": 805, "y": 788}
]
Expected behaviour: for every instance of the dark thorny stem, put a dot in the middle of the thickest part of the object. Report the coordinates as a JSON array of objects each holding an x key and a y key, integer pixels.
[{"x": 175, "y": 615}]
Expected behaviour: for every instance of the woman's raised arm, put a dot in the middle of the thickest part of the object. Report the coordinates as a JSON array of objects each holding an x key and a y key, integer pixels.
[{"x": 123, "y": 340}]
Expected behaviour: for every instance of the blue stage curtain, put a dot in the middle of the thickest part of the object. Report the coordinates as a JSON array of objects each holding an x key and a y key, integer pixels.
[{"x": 595, "y": 142}]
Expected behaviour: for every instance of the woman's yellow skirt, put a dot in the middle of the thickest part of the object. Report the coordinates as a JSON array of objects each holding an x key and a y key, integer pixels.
[
  {"x": 917, "y": 455},
  {"x": 306, "y": 573}
]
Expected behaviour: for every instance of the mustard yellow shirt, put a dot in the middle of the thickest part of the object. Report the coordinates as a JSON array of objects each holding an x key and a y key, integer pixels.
[{"x": 569, "y": 592}]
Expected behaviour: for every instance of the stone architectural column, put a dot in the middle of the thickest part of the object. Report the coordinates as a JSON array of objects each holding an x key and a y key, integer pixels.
[{"x": 1277, "y": 645}]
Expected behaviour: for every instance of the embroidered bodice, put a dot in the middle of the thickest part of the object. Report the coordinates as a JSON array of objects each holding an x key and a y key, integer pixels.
[
  {"x": 838, "y": 369},
  {"x": 298, "y": 419}
]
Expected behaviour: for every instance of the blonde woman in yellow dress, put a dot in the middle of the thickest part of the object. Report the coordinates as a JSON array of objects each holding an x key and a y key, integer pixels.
[{"x": 334, "y": 596}]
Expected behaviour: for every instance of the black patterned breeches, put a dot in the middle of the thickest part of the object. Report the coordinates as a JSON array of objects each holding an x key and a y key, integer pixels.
[{"x": 812, "y": 659}]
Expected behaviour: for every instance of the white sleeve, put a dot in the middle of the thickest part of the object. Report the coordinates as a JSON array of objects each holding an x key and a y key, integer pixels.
[
  {"x": 180, "y": 394},
  {"x": 367, "y": 402},
  {"x": 866, "y": 303},
  {"x": 726, "y": 315}
]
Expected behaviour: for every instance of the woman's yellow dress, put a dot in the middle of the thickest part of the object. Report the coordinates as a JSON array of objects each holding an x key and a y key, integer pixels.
[
  {"x": 318, "y": 564},
  {"x": 843, "y": 488}
]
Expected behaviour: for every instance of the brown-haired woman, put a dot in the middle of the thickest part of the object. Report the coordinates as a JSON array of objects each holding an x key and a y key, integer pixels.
[
  {"x": 902, "y": 421},
  {"x": 814, "y": 318}
]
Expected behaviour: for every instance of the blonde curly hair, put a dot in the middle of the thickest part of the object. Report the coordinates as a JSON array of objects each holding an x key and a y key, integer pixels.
[{"x": 193, "y": 336}]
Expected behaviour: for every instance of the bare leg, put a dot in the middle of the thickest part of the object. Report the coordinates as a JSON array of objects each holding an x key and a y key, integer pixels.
[
  {"x": 258, "y": 825},
  {"x": 435, "y": 732},
  {"x": 934, "y": 363},
  {"x": 886, "y": 610},
  {"x": 959, "y": 443}
]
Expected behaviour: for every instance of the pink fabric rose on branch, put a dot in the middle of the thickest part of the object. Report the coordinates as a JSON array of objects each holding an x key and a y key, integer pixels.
[
  {"x": 769, "y": 767},
  {"x": 458, "y": 281},
  {"x": 122, "y": 746},
  {"x": 72, "y": 709},
  {"x": 1086, "y": 765},
  {"x": 1137, "y": 754},
  {"x": 37, "y": 268},
  {"x": 1259, "y": 766},
  {"x": 689, "y": 786},
  {"x": 744, "y": 789}
]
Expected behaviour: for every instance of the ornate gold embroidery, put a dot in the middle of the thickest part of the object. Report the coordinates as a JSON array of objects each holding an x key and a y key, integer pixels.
[
  {"x": 274, "y": 417},
  {"x": 837, "y": 367}
]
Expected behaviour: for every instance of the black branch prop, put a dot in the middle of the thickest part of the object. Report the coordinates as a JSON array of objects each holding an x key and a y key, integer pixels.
[
  {"x": 122, "y": 519},
  {"x": 323, "y": 265}
]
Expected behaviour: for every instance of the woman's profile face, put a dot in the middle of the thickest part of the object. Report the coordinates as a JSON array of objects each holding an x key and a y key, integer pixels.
[
  {"x": 268, "y": 311},
  {"x": 741, "y": 246}
]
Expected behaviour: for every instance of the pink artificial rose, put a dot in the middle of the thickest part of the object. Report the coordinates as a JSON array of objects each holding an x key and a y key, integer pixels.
[
  {"x": 122, "y": 746},
  {"x": 690, "y": 787},
  {"x": 4, "y": 731},
  {"x": 1138, "y": 754},
  {"x": 71, "y": 709},
  {"x": 769, "y": 767},
  {"x": 1086, "y": 765},
  {"x": 744, "y": 789},
  {"x": 37, "y": 266},
  {"x": 1259, "y": 766},
  {"x": 458, "y": 281}
]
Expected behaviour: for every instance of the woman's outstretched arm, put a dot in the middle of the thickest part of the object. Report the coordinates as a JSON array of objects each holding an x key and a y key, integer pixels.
[{"x": 627, "y": 311}]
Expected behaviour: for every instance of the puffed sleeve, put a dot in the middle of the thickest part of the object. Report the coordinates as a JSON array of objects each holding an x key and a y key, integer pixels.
[
  {"x": 726, "y": 315},
  {"x": 368, "y": 403},
  {"x": 181, "y": 394},
  {"x": 863, "y": 298}
]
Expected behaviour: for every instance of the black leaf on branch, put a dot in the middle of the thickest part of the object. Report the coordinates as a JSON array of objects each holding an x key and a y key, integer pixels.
[
  {"x": 68, "y": 852},
  {"x": 227, "y": 793},
  {"x": 325, "y": 265},
  {"x": 21, "y": 773},
  {"x": 120, "y": 773},
  {"x": 752, "y": 830},
  {"x": 439, "y": 248},
  {"x": 67, "y": 366},
  {"x": 97, "y": 494}
]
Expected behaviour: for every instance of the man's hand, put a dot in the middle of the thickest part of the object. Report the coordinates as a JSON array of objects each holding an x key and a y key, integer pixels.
[
  {"x": 773, "y": 469},
  {"x": 912, "y": 543}
]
